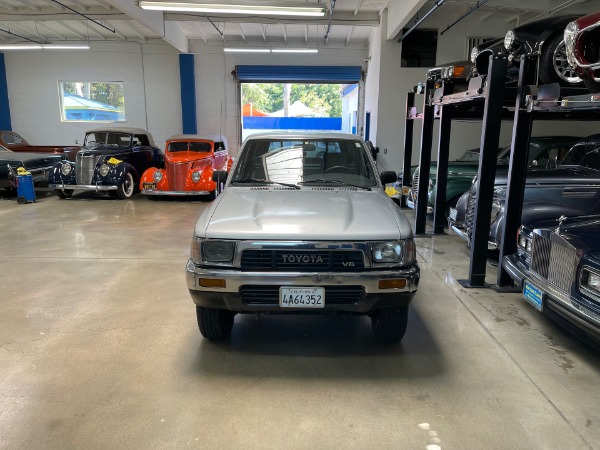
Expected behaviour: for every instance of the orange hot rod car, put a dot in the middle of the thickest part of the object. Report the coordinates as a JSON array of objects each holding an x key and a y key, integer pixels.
[{"x": 190, "y": 161}]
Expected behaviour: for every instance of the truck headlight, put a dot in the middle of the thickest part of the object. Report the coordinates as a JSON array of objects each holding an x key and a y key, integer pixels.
[
  {"x": 196, "y": 177},
  {"x": 394, "y": 251},
  {"x": 590, "y": 280},
  {"x": 157, "y": 176},
  {"x": 509, "y": 39},
  {"x": 66, "y": 168},
  {"x": 217, "y": 251},
  {"x": 104, "y": 169}
]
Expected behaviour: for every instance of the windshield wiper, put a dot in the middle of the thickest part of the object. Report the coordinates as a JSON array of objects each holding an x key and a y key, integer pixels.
[
  {"x": 263, "y": 181},
  {"x": 322, "y": 180}
]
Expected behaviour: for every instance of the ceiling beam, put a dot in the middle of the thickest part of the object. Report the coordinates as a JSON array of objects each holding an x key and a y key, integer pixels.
[
  {"x": 29, "y": 5},
  {"x": 284, "y": 34},
  {"x": 44, "y": 25},
  {"x": 8, "y": 6},
  {"x": 117, "y": 32},
  {"x": 241, "y": 32},
  {"x": 358, "y": 5},
  {"x": 306, "y": 34},
  {"x": 132, "y": 27},
  {"x": 263, "y": 28},
  {"x": 104, "y": 5},
  {"x": 55, "y": 5},
  {"x": 339, "y": 18},
  {"x": 71, "y": 29},
  {"x": 349, "y": 36},
  {"x": 27, "y": 30},
  {"x": 92, "y": 30},
  {"x": 80, "y": 5},
  {"x": 199, "y": 27}
]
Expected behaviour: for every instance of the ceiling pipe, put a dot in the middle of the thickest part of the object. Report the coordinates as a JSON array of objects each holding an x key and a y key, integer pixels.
[
  {"x": 438, "y": 3},
  {"x": 474, "y": 8},
  {"x": 332, "y": 4}
]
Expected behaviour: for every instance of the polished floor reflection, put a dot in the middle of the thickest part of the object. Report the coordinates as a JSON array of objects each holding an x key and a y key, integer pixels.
[{"x": 99, "y": 349}]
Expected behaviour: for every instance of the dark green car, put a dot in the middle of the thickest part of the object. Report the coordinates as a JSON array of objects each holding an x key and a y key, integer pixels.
[{"x": 544, "y": 152}]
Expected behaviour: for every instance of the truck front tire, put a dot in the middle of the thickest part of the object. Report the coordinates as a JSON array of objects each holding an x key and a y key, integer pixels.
[
  {"x": 389, "y": 324},
  {"x": 214, "y": 324}
]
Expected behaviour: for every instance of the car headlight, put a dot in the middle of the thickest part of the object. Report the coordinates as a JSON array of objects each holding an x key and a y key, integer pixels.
[
  {"x": 196, "y": 177},
  {"x": 104, "y": 169},
  {"x": 217, "y": 251},
  {"x": 157, "y": 176},
  {"x": 525, "y": 242},
  {"x": 394, "y": 251},
  {"x": 590, "y": 280},
  {"x": 496, "y": 207},
  {"x": 65, "y": 169},
  {"x": 509, "y": 39},
  {"x": 474, "y": 53},
  {"x": 571, "y": 31}
]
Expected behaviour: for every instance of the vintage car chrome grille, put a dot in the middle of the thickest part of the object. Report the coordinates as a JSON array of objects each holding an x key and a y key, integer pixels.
[
  {"x": 554, "y": 262},
  {"x": 177, "y": 174},
  {"x": 269, "y": 295},
  {"x": 84, "y": 168},
  {"x": 470, "y": 212},
  {"x": 303, "y": 260},
  {"x": 415, "y": 184}
]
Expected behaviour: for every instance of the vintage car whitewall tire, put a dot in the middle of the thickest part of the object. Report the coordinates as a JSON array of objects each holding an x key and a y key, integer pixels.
[
  {"x": 63, "y": 194},
  {"x": 389, "y": 324},
  {"x": 127, "y": 187},
  {"x": 214, "y": 324}
]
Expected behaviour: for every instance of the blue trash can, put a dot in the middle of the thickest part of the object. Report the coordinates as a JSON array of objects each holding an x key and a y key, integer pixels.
[{"x": 25, "y": 191}]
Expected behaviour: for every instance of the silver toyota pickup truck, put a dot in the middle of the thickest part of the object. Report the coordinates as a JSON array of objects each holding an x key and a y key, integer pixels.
[{"x": 303, "y": 226}]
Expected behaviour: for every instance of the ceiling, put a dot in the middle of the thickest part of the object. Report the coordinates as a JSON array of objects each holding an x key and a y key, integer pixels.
[{"x": 122, "y": 20}]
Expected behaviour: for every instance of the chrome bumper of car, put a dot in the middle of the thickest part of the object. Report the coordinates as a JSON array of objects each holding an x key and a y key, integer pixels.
[
  {"x": 461, "y": 232},
  {"x": 84, "y": 187},
  {"x": 231, "y": 298},
  {"x": 178, "y": 193}
]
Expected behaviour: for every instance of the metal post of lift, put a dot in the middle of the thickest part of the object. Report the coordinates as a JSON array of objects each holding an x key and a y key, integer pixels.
[
  {"x": 408, "y": 139},
  {"x": 425, "y": 160},
  {"x": 440, "y": 219},
  {"x": 490, "y": 137},
  {"x": 517, "y": 171}
]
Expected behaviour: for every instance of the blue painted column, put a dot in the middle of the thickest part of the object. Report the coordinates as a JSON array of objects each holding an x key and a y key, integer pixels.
[
  {"x": 4, "y": 105},
  {"x": 188, "y": 94}
]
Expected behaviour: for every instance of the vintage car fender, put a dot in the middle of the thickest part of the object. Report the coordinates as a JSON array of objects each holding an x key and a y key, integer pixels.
[
  {"x": 148, "y": 177},
  {"x": 229, "y": 163},
  {"x": 206, "y": 182},
  {"x": 56, "y": 176},
  {"x": 117, "y": 172}
]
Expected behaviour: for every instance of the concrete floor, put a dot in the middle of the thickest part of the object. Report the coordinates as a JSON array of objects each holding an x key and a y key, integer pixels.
[{"x": 99, "y": 348}]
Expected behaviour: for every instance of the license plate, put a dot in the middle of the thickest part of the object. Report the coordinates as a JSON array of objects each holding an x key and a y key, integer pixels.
[
  {"x": 410, "y": 204},
  {"x": 453, "y": 214},
  {"x": 533, "y": 295},
  {"x": 304, "y": 297},
  {"x": 149, "y": 185}
]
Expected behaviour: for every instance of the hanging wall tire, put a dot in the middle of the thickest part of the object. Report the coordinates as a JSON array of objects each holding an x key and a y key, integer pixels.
[
  {"x": 127, "y": 187},
  {"x": 214, "y": 324},
  {"x": 389, "y": 324}
]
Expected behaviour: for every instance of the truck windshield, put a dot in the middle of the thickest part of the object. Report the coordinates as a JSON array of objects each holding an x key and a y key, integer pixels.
[{"x": 305, "y": 162}]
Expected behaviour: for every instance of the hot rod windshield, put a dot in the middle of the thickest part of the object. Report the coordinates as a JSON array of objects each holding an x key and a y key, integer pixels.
[
  {"x": 200, "y": 147},
  {"x": 305, "y": 162},
  {"x": 107, "y": 139}
]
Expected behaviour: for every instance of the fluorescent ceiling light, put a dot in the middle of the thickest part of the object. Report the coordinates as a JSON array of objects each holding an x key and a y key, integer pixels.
[
  {"x": 265, "y": 10},
  {"x": 295, "y": 50},
  {"x": 247, "y": 50},
  {"x": 44, "y": 47}
]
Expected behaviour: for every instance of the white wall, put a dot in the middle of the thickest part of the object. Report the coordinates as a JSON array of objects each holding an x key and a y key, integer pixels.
[
  {"x": 150, "y": 73},
  {"x": 349, "y": 109},
  {"x": 216, "y": 87}
]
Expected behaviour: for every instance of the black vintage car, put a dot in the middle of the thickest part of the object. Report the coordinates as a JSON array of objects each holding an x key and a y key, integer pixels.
[
  {"x": 543, "y": 38},
  {"x": 38, "y": 164},
  {"x": 111, "y": 160},
  {"x": 558, "y": 269},
  {"x": 572, "y": 189}
]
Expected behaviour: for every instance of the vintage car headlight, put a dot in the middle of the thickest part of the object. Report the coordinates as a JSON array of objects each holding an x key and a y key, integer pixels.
[
  {"x": 394, "y": 251},
  {"x": 66, "y": 168},
  {"x": 509, "y": 39},
  {"x": 590, "y": 280},
  {"x": 196, "y": 177},
  {"x": 217, "y": 251},
  {"x": 474, "y": 53},
  {"x": 571, "y": 31},
  {"x": 104, "y": 169},
  {"x": 524, "y": 242},
  {"x": 157, "y": 176},
  {"x": 496, "y": 207}
]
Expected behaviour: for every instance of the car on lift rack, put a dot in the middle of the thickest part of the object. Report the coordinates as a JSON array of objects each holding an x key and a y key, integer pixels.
[
  {"x": 38, "y": 164},
  {"x": 111, "y": 160},
  {"x": 582, "y": 39},
  {"x": 572, "y": 189},
  {"x": 543, "y": 38},
  {"x": 544, "y": 152},
  {"x": 15, "y": 142},
  {"x": 303, "y": 226},
  {"x": 558, "y": 270},
  {"x": 190, "y": 161}
]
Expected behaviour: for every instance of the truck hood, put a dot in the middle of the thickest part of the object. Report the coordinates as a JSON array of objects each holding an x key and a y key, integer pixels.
[{"x": 305, "y": 214}]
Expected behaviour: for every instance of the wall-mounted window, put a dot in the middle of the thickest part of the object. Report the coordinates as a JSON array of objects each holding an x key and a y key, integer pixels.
[
  {"x": 419, "y": 48},
  {"x": 91, "y": 101}
]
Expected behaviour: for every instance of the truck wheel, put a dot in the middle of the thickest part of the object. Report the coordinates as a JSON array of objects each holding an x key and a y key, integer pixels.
[
  {"x": 126, "y": 188},
  {"x": 389, "y": 324},
  {"x": 214, "y": 324},
  {"x": 63, "y": 194}
]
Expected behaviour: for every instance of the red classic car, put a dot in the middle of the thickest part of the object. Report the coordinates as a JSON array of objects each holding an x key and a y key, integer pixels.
[
  {"x": 190, "y": 161},
  {"x": 15, "y": 142},
  {"x": 582, "y": 39}
]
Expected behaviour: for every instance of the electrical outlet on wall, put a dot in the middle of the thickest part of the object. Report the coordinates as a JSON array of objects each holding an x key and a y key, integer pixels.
[{"x": 385, "y": 151}]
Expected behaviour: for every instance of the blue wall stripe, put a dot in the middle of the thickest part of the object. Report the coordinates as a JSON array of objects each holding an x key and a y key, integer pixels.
[
  {"x": 293, "y": 123},
  {"x": 188, "y": 94},
  {"x": 299, "y": 74},
  {"x": 5, "y": 123}
]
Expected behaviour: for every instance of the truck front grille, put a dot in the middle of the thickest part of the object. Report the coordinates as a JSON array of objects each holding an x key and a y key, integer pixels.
[
  {"x": 84, "y": 168},
  {"x": 269, "y": 295},
  {"x": 303, "y": 260},
  {"x": 554, "y": 262}
]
